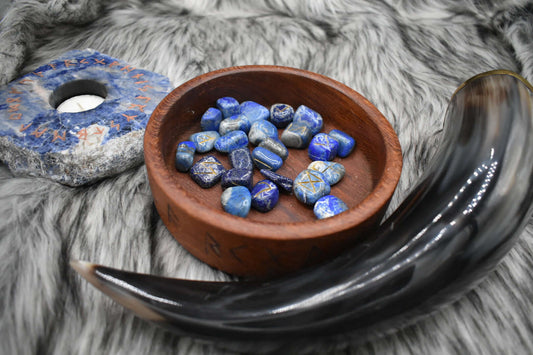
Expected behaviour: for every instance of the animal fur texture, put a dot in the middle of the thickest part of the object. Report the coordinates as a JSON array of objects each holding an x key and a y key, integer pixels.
[{"x": 406, "y": 56}]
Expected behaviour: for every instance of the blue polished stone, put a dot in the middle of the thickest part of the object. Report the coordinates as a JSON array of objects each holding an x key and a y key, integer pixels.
[
  {"x": 310, "y": 117},
  {"x": 282, "y": 182},
  {"x": 234, "y": 123},
  {"x": 211, "y": 119},
  {"x": 329, "y": 206},
  {"x": 309, "y": 186},
  {"x": 254, "y": 111},
  {"x": 204, "y": 141},
  {"x": 185, "y": 156},
  {"x": 228, "y": 106},
  {"x": 76, "y": 148},
  {"x": 237, "y": 177},
  {"x": 346, "y": 142},
  {"x": 265, "y": 159},
  {"x": 322, "y": 147},
  {"x": 281, "y": 115},
  {"x": 276, "y": 147},
  {"x": 237, "y": 201},
  {"x": 241, "y": 158},
  {"x": 261, "y": 130},
  {"x": 265, "y": 195},
  {"x": 207, "y": 171},
  {"x": 296, "y": 135},
  {"x": 231, "y": 141},
  {"x": 332, "y": 171}
]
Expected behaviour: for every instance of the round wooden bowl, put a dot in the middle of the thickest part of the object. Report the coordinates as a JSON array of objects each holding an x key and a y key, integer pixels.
[{"x": 289, "y": 237}]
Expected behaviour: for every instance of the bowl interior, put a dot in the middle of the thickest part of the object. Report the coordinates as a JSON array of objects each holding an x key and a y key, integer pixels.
[{"x": 341, "y": 108}]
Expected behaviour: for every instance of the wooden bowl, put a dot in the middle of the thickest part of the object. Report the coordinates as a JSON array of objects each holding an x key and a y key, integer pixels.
[{"x": 289, "y": 237}]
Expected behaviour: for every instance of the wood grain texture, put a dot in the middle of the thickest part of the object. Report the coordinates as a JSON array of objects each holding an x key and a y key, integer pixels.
[{"x": 289, "y": 237}]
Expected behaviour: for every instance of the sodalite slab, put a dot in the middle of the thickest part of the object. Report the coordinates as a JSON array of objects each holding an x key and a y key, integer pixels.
[
  {"x": 237, "y": 201},
  {"x": 78, "y": 148},
  {"x": 265, "y": 195},
  {"x": 329, "y": 206}
]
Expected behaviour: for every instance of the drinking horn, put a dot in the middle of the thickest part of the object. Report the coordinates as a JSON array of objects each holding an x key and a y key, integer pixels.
[{"x": 457, "y": 223}]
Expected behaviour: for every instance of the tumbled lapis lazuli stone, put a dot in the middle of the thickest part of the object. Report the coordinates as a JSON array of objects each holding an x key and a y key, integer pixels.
[
  {"x": 204, "y": 141},
  {"x": 310, "y": 117},
  {"x": 230, "y": 141},
  {"x": 346, "y": 142},
  {"x": 281, "y": 115},
  {"x": 241, "y": 158},
  {"x": 282, "y": 182},
  {"x": 332, "y": 171},
  {"x": 185, "y": 156},
  {"x": 296, "y": 135},
  {"x": 265, "y": 195},
  {"x": 237, "y": 177},
  {"x": 228, "y": 106},
  {"x": 276, "y": 147},
  {"x": 234, "y": 123},
  {"x": 237, "y": 201},
  {"x": 265, "y": 159},
  {"x": 322, "y": 147},
  {"x": 261, "y": 130},
  {"x": 254, "y": 111},
  {"x": 207, "y": 171},
  {"x": 309, "y": 186},
  {"x": 211, "y": 119},
  {"x": 329, "y": 206}
]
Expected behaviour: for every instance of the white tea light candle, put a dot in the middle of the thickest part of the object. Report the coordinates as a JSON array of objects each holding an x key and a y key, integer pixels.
[{"x": 80, "y": 103}]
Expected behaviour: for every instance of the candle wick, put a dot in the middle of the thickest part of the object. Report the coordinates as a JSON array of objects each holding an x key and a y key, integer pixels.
[{"x": 81, "y": 107}]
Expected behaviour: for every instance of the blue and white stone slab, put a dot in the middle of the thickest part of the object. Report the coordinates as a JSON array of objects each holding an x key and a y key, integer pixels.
[
  {"x": 329, "y": 206},
  {"x": 237, "y": 201},
  {"x": 81, "y": 147}
]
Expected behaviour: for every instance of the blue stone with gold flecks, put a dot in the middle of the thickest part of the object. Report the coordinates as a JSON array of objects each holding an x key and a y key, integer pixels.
[
  {"x": 296, "y": 135},
  {"x": 310, "y": 118},
  {"x": 204, "y": 141},
  {"x": 261, "y": 130},
  {"x": 332, "y": 171},
  {"x": 346, "y": 142},
  {"x": 185, "y": 156},
  {"x": 254, "y": 111},
  {"x": 76, "y": 148},
  {"x": 211, "y": 119},
  {"x": 241, "y": 158},
  {"x": 265, "y": 196},
  {"x": 237, "y": 177},
  {"x": 309, "y": 186},
  {"x": 281, "y": 115},
  {"x": 229, "y": 106},
  {"x": 234, "y": 123},
  {"x": 329, "y": 206},
  {"x": 265, "y": 159},
  {"x": 322, "y": 147},
  {"x": 231, "y": 141},
  {"x": 207, "y": 171},
  {"x": 236, "y": 200}
]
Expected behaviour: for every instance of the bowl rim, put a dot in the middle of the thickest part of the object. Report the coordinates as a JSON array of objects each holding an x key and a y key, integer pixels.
[{"x": 367, "y": 208}]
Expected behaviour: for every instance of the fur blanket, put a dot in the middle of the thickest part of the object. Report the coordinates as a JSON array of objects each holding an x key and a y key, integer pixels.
[{"x": 407, "y": 57}]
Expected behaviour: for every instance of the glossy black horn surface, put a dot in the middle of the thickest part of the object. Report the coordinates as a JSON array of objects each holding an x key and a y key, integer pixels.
[{"x": 455, "y": 226}]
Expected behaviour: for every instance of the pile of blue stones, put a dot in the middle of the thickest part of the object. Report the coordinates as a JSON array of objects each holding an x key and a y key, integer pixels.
[{"x": 231, "y": 126}]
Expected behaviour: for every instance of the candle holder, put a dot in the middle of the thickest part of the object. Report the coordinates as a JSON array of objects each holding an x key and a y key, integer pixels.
[{"x": 96, "y": 138}]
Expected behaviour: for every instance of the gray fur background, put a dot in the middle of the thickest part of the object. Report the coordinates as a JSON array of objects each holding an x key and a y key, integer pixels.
[{"x": 405, "y": 56}]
